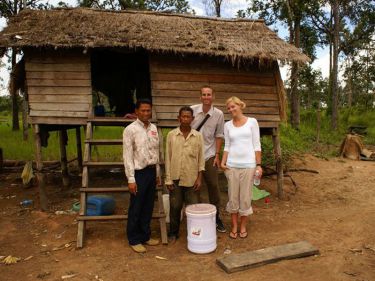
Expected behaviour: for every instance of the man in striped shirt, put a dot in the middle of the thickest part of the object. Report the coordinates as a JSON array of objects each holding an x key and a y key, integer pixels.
[{"x": 141, "y": 161}]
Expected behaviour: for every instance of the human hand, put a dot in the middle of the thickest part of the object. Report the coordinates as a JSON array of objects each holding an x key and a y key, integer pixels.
[
  {"x": 197, "y": 184},
  {"x": 132, "y": 188},
  {"x": 223, "y": 166},
  {"x": 217, "y": 161},
  {"x": 260, "y": 171}
]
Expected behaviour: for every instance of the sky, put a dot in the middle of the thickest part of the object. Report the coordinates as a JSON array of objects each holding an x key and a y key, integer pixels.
[{"x": 229, "y": 10}]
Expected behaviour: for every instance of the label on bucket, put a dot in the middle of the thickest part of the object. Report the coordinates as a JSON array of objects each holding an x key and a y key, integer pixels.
[{"x": 195, "y": 231}]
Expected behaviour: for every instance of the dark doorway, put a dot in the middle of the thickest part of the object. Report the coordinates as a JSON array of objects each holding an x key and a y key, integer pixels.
[{"x": 122, "y": 76}]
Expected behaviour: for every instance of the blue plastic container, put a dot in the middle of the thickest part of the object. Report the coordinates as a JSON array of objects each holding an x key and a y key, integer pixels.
[{"x": 100, "y": 205}]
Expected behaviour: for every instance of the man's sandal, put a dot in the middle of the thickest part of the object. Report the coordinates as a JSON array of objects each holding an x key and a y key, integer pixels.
[{"x": 233, "y": 235}]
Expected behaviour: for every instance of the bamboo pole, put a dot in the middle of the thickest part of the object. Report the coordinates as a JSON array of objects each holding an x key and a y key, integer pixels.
[
  {"x": 63, "y": 159},
  {"x": 39, "y": 166}
]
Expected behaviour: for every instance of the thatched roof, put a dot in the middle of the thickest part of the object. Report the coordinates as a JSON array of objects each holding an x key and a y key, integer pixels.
[{"x": 236, "y": 39}]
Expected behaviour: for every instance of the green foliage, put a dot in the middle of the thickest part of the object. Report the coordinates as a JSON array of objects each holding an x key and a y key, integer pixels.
[
  {"x": 5, "y": 105},
  {"x": 304, "y": 140},
  {"x": 293, "y": 142},
  {"x": 15, "y": 148},
  {"x": 173, "y": 6}
]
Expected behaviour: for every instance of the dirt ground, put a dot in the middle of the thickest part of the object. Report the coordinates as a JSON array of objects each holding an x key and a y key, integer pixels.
[{"x": 334, "y": 210}]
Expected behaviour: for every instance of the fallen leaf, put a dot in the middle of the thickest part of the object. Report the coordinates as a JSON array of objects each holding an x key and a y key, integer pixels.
[
  {"x": 354, "y": 250},
  {"x": 10, "y": 260},
  {"x": 160, "y": 258},
  {"x": 28, "y": 258},
  {"x": 68, "y": 276}
]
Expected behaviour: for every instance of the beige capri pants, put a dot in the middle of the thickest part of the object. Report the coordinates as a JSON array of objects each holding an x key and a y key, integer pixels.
[{"x": 240, "y": 190}]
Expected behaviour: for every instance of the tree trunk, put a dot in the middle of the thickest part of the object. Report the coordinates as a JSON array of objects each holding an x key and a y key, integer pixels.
[
  {"x": 350, "y": 89},
  {"x": 295, "y": 99},
  {"x": 318, "y": 123},
  {"x": 336, "y": 38},
  {"x": 217, "y": 4},
  {"x": 14, "y": 95}
]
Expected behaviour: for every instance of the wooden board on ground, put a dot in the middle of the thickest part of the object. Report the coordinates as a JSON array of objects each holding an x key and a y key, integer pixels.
[{"x": 238, "y": 262}]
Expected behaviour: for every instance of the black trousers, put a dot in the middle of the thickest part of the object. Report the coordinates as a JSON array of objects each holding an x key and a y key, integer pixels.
[{"x": 141, "y": 206}]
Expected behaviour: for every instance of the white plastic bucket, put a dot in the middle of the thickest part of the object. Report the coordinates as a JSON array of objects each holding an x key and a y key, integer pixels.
[{"x": 201, "y": 228}]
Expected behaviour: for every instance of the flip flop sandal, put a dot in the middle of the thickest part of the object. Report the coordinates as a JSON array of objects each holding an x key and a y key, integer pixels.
[
  {"x": 233, "y": 235},
  {"x": 243, "y": 234}
]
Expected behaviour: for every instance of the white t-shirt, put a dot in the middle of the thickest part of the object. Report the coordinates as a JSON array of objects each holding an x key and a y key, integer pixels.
[{"x": 241, "y": 143}]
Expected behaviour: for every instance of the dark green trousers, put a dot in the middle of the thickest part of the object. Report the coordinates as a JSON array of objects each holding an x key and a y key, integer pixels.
[{"x": 178, "y": 196}]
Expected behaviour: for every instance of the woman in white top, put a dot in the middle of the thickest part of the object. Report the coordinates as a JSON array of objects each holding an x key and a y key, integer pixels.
[{"x": 242, "y": 157}]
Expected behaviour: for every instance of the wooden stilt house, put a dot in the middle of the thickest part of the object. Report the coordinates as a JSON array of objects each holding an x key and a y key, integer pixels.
[{"x": 69, "y": 54}]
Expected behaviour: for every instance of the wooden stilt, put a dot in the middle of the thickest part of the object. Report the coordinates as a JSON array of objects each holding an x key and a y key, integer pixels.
[
  {"x": 279, "y": 165},
  {"x": 1, "y": 159},
  {"x": 85, "y": 184},
  {"x": 25, "y": 123},
  {"x": 63, "y": 159},
  {"x": 39, "y": 166},
  {"x": 79, "y": 147}
]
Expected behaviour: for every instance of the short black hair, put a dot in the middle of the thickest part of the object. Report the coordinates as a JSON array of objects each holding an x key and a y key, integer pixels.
[
  {"x": 142, "y": 101},
  {"x": 186, "y": 108}
]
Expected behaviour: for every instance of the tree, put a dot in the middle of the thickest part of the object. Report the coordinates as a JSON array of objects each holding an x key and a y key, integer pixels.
[
  {"x": 292, "y": 13},
  {"x": 359, "y": 76},
  {"x": 213, "y": 7},
  {"x": 9, "y": 8},
  {"x": 171, "y": 6},
  {"x": 346, "y": 25}
]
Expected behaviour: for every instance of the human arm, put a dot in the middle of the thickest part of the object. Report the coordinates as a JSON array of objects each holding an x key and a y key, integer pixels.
[
  {"x": 224, "y": 160},
  {"x": 168, "y": 155},
  {"x": 198, "y": 181},
  {"x": 218, "y": 144},
  {"x": 201, "y": 164},
  {"x": 160, "y": 159},
  {"x": 226, "y": 148},
  {"x": 257, "y": 147},
  {"x": 128, "y": 158},
  {"x": 219, "y": 136}
]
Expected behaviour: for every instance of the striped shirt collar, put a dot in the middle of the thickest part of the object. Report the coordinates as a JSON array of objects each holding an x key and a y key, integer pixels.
[
  {"x": 200, "y": 110},
  {"x": 140, "y": 123}
]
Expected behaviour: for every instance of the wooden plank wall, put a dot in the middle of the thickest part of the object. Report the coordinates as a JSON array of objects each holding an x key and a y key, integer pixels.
[
  {"x": 176, "y": 82},
  {"x": 58, "y": 86}
]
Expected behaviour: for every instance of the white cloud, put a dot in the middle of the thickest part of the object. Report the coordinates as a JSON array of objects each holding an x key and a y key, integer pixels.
[
  {"x": 322, "y": 63},
  {"x": 229, "y": 7}
]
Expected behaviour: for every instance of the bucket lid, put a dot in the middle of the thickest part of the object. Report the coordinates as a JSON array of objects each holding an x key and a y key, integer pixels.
[{"x": 200, "y": 209}]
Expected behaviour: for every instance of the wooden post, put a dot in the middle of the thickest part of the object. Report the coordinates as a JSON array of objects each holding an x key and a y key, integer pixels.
[
  {"x": 25, "y": 124},
  {"x": 39, "y": 166},
  {"x": 79, "y": 148},
  {"x": 63, "y": 159},
  {"x": 1, "y": 159},
  {"x": 85, "y": 184},
  {"x": 279, "y": 165}
]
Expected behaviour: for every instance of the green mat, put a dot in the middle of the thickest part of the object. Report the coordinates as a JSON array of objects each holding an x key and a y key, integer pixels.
[{"x": 259, "y": 193}]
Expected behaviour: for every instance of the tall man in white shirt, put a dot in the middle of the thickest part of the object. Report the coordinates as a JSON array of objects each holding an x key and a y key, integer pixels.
[
  {"x": 141, "y": 161},
  {"x": 209, "y": 121}
]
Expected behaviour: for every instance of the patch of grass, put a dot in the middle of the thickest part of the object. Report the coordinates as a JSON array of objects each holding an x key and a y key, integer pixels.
[
  {"x": 15, "y": 148},
  {"x": 293, "y": 142}
]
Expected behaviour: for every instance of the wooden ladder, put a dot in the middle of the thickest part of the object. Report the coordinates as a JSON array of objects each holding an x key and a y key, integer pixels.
[{"x": 88, "y": 164}]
